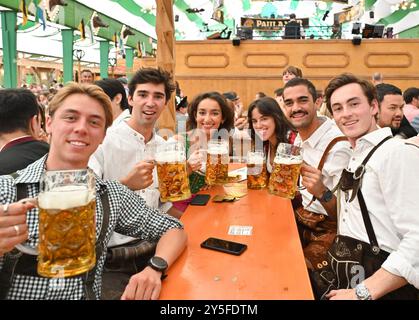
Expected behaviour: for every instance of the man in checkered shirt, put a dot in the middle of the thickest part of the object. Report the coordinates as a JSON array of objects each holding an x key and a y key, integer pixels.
[{"x": 79, "y": 116}]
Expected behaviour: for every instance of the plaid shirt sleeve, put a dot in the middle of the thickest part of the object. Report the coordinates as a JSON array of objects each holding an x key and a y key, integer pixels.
[
  {"x": 129, "y": 215},
  {"x": 135, "y": 218}
]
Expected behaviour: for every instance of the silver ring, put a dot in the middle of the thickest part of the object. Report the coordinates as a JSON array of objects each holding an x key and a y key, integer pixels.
[
  {"x": 5, "y": 209},
  {"x": 16, "y": 229}
]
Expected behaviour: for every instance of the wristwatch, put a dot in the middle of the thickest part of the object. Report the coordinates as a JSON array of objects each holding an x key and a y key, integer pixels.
[
  {"x": 362, "y": 292},
  {"x": 327, "y": 196},
  {"x": 158, "y": 264}
]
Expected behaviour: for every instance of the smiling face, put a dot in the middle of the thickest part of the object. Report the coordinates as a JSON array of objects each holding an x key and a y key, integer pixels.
[
  {"x": 391, "y": 111},
  {"x": 77, "y": 128},
  {"x": 86, "y": 77},
  {"x": 209, "y": 116},
  {"x": 148, "y": 102},
  {"x": 299, "y": 107},
  {"x": 287, "y": 76},
  {"x": 352, "y": 112},
  {"x": 263, "y": 125}
]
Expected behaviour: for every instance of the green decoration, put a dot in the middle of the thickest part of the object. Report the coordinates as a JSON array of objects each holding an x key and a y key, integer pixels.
[
  {"x": 8, "y": 23},
  {"x": 104, "y": 56},
  {"x": 67, "y": 36},
  {"x": 129, "y": 62},
  {"x": 398, "y": 15},
  {"x": 294, "y": 4}
]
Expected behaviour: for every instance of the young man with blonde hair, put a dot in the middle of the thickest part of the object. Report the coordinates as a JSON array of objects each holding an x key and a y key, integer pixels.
[{"x": 77, "y": 122}]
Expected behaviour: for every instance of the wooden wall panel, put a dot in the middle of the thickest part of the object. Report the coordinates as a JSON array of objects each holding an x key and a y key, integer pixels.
[{"x": 257, "y": 65}]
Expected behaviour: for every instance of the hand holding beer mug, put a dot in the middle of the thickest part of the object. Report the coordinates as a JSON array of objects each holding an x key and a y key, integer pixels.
[
  {"x": 67, "y": 224},
  {"x": 172, "y": 173},
  {"x": 257, "y": 174},
  {"x": 217, "y": 162},
  {"x": 285, "y": 171}
]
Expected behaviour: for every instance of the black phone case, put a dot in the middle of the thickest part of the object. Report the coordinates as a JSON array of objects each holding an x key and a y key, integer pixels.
[
  {"x": 243, "y": 247},
  {"x": 200, "y": 200}
]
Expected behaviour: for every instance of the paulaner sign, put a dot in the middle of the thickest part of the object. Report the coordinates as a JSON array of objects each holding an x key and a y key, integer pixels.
[{"x": 269, "y": 24}]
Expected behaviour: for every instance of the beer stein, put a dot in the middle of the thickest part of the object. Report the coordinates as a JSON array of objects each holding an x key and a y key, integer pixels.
[
  {"x": 285, "y": 171},
  {"x": 257, "y": 174},
  {"x": 67, "y": 224},
  {"x": 217, "y": 162},
  {"x": 171, "y": 172}
]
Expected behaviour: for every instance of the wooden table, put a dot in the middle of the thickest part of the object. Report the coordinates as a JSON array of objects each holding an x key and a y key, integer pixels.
[{"x": 271, "y": 268}]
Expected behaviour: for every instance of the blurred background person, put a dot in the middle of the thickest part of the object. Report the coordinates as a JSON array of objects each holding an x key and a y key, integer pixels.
[
  {"x": 377, "y": 78},
  {"x": 21, "y": 120},
  {"x": 291, "y": 72},
  {"x": 87, "y": 76},
  {"x": 411, "y": 108},
  {"x": 116, "y": 92}
]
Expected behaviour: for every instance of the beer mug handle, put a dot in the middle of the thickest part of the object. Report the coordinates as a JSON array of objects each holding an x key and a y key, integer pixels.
[
  {"x": 26, "y": 249},
  {"x": 299, "y": 186}
]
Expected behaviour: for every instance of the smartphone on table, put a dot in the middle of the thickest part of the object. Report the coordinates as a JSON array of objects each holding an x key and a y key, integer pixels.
[
  {"x": 200, "y": 200},
  {"x": 224, "y": 246}
]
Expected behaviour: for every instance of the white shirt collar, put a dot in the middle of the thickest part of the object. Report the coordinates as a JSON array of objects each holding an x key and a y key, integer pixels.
[{"x": 317, "y": 135}]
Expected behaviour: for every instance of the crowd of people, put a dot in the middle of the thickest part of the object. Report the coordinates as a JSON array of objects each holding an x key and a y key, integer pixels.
[{"x": 352, "y": 132}]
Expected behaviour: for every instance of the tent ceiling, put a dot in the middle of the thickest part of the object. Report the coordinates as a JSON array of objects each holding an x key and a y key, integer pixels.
[{"x": 140, "y": 16}]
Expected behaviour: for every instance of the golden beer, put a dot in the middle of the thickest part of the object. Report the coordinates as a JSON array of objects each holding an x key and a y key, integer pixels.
[
  {"x": 67, "y": 231},
  {"x": 257, "y": 174},
  {"x": 173, "y": 181},
  {"x": 171, "y": 172},
  {"x": 217, "y": 163},
  {"x": 286, "y": 169},
  {"x": 217, "y": 171},
  {"x": 284, "y": 178}
]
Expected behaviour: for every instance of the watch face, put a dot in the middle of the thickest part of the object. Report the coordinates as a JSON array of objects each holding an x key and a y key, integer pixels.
[
  {"x": 362, "y": 292},
  {"x": 327, "y": 196},
  {"x": 158, "y": 263}
]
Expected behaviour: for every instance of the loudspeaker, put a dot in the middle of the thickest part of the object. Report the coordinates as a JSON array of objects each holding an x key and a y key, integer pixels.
[
  {"x": 356, "y": 28},
  {"x": 371, "y": 14},
  {"x": 236, "y": 42},
  {"x": 356, "y": 41}
]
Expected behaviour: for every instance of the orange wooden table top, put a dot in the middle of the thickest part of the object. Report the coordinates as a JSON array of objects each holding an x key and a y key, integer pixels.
[{"x": 271, "y": 268}]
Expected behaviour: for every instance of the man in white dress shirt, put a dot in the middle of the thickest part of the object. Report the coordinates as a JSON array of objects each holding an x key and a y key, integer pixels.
[
  {"x": 389, "y": 187},
  {"x": 127, "y": 149},
  {"x": 316, "y": 220}
]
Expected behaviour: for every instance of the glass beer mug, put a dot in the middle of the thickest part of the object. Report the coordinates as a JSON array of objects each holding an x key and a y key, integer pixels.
[
  {"x": 286, "y": 169},
  {"x": 257, "y": 174},
  {"x": 172, "y": 173},
  {"x": 67, "y": 223},
  {"x": 217, "y": 162}
]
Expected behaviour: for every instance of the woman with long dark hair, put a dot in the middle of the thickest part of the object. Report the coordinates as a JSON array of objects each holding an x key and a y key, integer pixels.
[
  {"x": 268, "y": 127},
  {"x": 210, "y": 117}
]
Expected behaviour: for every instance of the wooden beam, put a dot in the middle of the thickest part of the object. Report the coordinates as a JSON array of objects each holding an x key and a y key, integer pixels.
[{"x": 165, "y": 30}]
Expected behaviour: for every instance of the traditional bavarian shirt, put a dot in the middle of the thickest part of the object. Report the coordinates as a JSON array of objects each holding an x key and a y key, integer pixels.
[
  {"x": 121, "y": 150},
  {"x": 336, "y": 161},
  {"x": 129, "y": 215},
  {"x": 390, "y": 189}
]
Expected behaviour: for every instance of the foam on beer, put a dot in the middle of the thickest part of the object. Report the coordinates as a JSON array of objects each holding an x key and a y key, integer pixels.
[
  {"x": 255, "y": 159},
  {"x": 288, "y": 161},
  {"x": 170, "y": 157},
  {"x": 65, "y": 197}
]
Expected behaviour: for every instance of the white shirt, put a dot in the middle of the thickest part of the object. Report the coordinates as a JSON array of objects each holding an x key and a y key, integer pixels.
[
  {"x": 336, "y": 161},
  {"x": 123, "y": 116},
  {"x": 390, "y": 189},
  {"x": 122, "y": 148}
]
